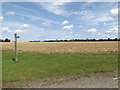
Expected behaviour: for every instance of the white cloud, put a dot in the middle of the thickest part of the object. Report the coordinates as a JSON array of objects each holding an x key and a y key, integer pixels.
[
  {"x": 65, "y": 22},
  {"x": 92, "y": 18},
  {"x": 92, "y": 30},
  {"x": 54, "y": 7},
  {"x": 5, "y": 30},
  {"x": 114, "y": 13},
  {"x": 113, "y": 30},
  {"x": 30, "y": 16},
  {"x": 68, "y": 27},
  {"x": 20, "y": 31},
  {"x": 46, "y": 24},
  {"x": 86, "y": 4},
  {"x": 103, "y": 18},
  {"x": 1, "y": 19},
  {"x": 11, "y": 13},
  {"x": 25, "y": 26},
  {"x": 34, "y": 17},
  {"x": 105, "y": 35},
  {"x": 105, "y": 23},
  {"x": 99, "y": 34},
  {"x": 86, "y": 14}
]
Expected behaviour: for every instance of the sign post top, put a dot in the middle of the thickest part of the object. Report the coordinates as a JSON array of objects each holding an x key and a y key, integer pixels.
[{"x": 16, "y": 36}]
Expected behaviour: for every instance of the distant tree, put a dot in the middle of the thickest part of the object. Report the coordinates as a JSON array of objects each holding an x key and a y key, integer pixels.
[
  {"x": 115, "y": 39},
  {"x": 108, "y": 39},
  {"x": 7, "y": 40}
]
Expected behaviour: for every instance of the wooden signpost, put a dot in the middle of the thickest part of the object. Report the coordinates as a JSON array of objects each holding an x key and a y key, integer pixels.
[{"x": 16, "y": 53}]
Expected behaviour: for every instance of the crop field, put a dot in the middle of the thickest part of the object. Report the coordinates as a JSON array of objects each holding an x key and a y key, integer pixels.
[{"x": 64, "y": 47}]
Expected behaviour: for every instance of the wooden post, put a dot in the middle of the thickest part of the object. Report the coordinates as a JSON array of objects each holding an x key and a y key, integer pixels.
[{"x": 16, "y": 53}]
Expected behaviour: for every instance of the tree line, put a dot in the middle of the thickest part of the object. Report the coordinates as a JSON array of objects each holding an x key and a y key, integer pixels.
[
  {"x": 73, "y": 40},
  {"x": 5, "y": 40}
]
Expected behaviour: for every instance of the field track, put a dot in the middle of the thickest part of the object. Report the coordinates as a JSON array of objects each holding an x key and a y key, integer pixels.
[
  {"x": 64, "y": 47},
  {"x": 99, "y": 80}
]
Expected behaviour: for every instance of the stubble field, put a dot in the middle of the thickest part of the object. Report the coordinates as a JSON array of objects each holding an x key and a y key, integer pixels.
[{"x": 64, "y": 47}]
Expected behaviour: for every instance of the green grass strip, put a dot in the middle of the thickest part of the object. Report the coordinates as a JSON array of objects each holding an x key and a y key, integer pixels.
[{"x": 33, "y": 66}]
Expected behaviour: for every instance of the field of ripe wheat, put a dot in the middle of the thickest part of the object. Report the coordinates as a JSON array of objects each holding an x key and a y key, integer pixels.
[{"x": 64, "y": 47}]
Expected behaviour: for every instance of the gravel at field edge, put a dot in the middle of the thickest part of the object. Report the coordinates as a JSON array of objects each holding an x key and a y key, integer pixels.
[{"x": 97, "y": 80}]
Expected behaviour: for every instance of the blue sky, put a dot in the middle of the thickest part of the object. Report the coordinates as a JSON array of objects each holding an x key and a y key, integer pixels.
[{"x": 59, "y": 20}]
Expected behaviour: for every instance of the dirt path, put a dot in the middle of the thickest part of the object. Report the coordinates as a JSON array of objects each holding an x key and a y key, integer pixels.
[{"x": 99, "y": 80}]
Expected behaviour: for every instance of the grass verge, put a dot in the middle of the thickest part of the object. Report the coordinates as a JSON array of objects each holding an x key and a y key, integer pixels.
[{"x": 36, "y": 65}]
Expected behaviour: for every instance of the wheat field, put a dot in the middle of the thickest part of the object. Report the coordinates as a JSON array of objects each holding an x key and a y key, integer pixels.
[{"x": 64, "y": 47}]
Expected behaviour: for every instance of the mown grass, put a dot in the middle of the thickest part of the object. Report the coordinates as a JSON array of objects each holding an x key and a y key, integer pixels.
[{"x": 36, "y": 65}]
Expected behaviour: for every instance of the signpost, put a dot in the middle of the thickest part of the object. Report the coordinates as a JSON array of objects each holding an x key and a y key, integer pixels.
[{"x": 16, "y": 53}]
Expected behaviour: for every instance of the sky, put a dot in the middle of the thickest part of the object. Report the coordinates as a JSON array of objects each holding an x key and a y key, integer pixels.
[{"x": 59, "y": 20}]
